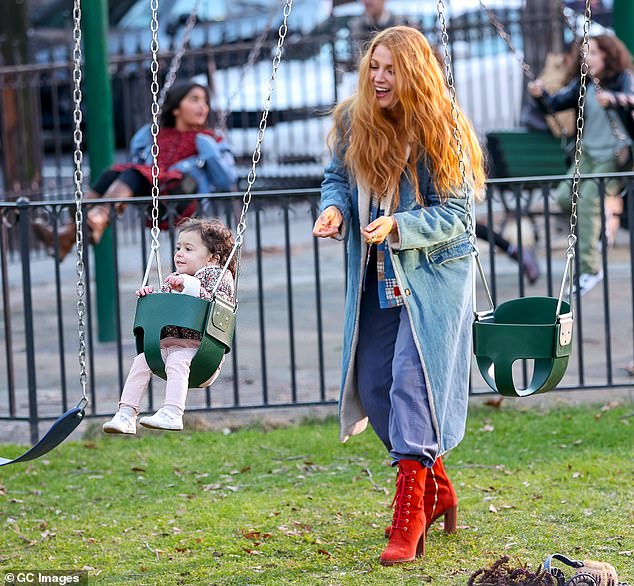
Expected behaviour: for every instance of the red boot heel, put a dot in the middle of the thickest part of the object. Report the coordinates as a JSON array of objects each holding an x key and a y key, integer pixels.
[
  {"x": 451, "y": 520},
  {"x": 440, "y": 498}
]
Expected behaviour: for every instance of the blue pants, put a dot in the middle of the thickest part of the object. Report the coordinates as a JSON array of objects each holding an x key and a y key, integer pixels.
[{"x": 391, "y": 381}]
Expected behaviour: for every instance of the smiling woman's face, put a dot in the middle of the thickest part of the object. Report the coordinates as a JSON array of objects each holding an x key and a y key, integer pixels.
[{"x": 382, "y": 77}]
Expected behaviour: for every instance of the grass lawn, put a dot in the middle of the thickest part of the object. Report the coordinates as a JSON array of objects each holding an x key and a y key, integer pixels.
[{"x": 293, "y": 506}]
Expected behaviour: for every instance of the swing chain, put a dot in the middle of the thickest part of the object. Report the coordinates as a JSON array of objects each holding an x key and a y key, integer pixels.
[
  {"x": 455, "y": 115},
  {"x": 255, "y": 158},
  {"x": 526, "y": 68},
  {"x": 175, "y": 64},
  {"x": 457, "y": 135},
  {"x": 253, "y": 55},
  {"x": 581, "y": 102},
  {"x": 257, "y": 152},
  {"x": 78, "y": 180},
  {"x": 154, "y": 130}
]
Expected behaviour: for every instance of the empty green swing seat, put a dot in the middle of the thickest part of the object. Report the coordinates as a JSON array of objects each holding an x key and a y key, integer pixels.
[
  {"x": 215, "y": 320},
  {"x": 526, "y": 328}
]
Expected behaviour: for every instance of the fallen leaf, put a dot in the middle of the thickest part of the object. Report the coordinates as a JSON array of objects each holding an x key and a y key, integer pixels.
[
  {"x": 255, "y": 535},
  {"x": 252, "y": 551},
  {"x": 495, "y": 403}
]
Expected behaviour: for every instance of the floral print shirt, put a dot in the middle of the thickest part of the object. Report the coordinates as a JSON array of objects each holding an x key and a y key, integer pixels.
[{"x": 201, "y": 285}]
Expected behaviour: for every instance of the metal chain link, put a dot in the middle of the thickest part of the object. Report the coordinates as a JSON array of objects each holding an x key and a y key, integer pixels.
[
  {"x": 581, "y": 102},
  {"x": 255, "y": 158},
  {"x": 246, "y": 198},
  {"x": 457, "y": 135},
  {"x": 252, "y": 56},
  {"x": 455, "y": 115},
  {"x": 78, "y": 180},
  {"x": 154, "y": 130},
  {"x": 170, "y": 78},
  {"x": 526, "y": 68}
]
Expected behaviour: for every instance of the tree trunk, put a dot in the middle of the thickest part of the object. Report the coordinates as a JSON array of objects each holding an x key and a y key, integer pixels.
[{"x": 22, "y": 157}]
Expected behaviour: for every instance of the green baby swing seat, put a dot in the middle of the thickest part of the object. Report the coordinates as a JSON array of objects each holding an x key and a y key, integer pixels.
[
  {"x": 214, "y": 320},
  {"x": 526, "y": 328},
  {"x": 529, "y": 328}
]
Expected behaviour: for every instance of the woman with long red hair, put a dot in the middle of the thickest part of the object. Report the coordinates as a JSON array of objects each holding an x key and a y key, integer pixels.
[{"x": 393, "y": 189}]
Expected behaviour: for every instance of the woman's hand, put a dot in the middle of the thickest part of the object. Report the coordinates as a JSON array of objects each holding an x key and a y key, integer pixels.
[
  {"x": 328, "y": 223},
  {"x": 145, "y": 291},
  {"x": 606, "y": 99},
  {"x": 377, "y": 231},
  {"x": 536, "y": 88},
  {"x": 175, "y": 282}
]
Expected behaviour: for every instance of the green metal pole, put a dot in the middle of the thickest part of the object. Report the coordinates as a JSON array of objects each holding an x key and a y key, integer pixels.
[
  {"x": 623, "y": 19},
  {"x": 100, "y": 142}
]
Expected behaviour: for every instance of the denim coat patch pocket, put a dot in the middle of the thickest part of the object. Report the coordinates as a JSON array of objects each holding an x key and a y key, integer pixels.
[{"x": 453, "y": 249}]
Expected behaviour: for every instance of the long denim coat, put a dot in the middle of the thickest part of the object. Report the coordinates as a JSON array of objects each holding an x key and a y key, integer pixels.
[{"x": 432, "y": 261}]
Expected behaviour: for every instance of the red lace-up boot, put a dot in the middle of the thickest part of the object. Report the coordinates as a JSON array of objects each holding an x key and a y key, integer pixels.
[
  {"x": 407, "y": 535},
  {"x": 440, "y": 499}
]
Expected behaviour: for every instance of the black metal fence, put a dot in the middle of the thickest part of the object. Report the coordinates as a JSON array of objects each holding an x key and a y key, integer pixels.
[
  {"x": 291, "y": 298},
  {"x": 316, "y": 72}
]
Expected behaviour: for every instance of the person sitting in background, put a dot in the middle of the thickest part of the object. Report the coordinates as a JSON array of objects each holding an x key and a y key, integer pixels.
[
  {"x": 375, "y": 18},
  {"x": 610, "y": 64},
  {"x": 191, "y": 159}
]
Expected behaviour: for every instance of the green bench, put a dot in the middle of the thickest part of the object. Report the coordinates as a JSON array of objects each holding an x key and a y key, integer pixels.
[{"x": 524, "y": 153}]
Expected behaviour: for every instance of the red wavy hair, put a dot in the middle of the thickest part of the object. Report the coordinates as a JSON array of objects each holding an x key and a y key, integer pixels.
[{"x": 377, "y": 139}]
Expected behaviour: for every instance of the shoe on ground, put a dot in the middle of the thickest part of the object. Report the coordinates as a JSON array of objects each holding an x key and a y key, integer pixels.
[
  {"x": 65, "y": 238},
  {"x": 121, "y": 423},
  {"x": 587, "y": 281},
  {"x": 530, "y": 266},
  {"x": 163, "y": 419}
]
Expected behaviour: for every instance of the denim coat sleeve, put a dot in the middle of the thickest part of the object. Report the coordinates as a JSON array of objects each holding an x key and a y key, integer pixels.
[
  {"x": 336, "y": 191},
  {"x": 140, "y": 146},
  {"x": 432, "y": 224}
]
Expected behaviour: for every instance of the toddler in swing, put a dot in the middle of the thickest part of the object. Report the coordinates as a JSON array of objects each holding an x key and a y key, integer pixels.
[{"x": 202, "y": 249}]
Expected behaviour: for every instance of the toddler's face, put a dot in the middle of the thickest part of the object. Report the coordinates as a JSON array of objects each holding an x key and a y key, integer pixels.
[{"x": 191, "y": 253}]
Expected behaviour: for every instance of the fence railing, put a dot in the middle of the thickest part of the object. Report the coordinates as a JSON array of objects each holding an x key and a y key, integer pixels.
[
  {"x": 291, "y": 301},
  {"x": 316, "y": 73}
]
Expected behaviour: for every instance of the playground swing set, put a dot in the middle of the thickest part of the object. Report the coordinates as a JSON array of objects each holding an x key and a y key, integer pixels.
[{"x": 530, "y": 328}]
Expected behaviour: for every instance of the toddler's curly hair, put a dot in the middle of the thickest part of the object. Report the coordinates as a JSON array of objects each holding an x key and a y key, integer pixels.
[{"x": 215, "y": 236}]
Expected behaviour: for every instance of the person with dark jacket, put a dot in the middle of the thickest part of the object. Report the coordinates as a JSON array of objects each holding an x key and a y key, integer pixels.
[
  {"x": 189, "y": 152},
  {"x": 605, "y": 141}
]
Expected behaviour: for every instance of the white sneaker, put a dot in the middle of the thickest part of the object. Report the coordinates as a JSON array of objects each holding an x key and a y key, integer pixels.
[
  {"x": 587, "y": 281},
  {"x": 121, "y": 423},
  {"x": 163, "y": 419}
]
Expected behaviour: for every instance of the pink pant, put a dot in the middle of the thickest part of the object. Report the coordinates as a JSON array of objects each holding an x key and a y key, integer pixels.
[{"x": 177, "y": 361}]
